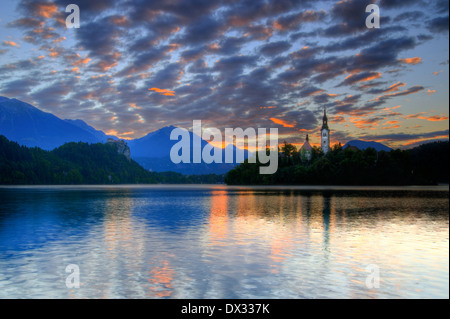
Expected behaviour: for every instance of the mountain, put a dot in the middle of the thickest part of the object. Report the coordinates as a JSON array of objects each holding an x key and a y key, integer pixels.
[
  {"x": 29, "y": 126},
  {"x": 99, "y": 135},
  {"x": 153, "y": 153},
  {"x": 156, "y": 144},
  {"x": 71, "y": 163},
  {"x": 362, "y": 145}
]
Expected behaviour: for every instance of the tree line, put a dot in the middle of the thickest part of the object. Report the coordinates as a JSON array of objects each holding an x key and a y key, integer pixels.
[
  {"x": 424, "y": 165},
  {"x": 81, "y": 163}
]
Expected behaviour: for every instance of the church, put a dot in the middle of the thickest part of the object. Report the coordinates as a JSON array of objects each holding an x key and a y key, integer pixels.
[{"x": 306, "y": 150}]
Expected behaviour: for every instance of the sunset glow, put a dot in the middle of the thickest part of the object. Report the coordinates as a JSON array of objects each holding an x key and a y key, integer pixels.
[{"x": 234, "y": 64}]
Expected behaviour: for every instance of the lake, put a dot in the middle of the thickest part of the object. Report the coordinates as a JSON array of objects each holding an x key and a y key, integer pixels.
[{"x": 202, "y": 241}]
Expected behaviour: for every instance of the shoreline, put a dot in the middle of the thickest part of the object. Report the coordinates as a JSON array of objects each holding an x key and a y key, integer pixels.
[{"x": 442, "y": 187}]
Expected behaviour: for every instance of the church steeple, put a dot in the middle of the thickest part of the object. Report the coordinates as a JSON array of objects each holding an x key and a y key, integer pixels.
[
  {"x": 325, "y": 120},
  {"x": 325, "y": 133}
]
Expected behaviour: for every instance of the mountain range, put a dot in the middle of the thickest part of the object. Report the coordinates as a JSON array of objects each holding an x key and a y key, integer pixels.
[
  {"x": 362, "y": 145},
  {"x": 27, "y": 125}
]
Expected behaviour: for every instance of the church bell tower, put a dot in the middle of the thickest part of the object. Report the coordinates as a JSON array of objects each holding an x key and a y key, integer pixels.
[{"x": 325, "y": 133}]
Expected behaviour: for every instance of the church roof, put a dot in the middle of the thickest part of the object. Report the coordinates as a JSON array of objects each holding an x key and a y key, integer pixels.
[
  {"x": 306, "y": 146},
  {"x": 325, "y": 120}
]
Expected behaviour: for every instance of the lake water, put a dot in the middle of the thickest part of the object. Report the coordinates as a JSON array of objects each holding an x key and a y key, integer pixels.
[{"x": 224, "y": 242}]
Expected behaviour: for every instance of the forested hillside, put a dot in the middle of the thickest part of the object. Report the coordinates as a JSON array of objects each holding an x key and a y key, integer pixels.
[
  {"x": 80, "y": 163},
  {"x": 423, "y": 165}
]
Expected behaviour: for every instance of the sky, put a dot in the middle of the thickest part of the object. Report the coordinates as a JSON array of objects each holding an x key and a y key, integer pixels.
[{"x": 136, "y": 66}]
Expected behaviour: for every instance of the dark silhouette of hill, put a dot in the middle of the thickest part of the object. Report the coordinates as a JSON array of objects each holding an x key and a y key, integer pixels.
[
  {"x": 423, "y": 165},
  {"x": 80, "y": 163}
]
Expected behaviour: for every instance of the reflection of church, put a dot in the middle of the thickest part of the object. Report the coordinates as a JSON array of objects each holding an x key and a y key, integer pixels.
[{"x": 306, "y": 150}]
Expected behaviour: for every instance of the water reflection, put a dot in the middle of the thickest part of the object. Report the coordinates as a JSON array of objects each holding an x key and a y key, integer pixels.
[
  {"x": 218, "y": 220},
  {"x": 222, "y": 242}
]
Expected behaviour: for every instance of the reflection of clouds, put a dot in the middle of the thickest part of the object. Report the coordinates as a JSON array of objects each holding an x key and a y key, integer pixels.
[
  {"x": 115, "y": 252},
  {"x": 247, "y": 243},
  {"x": 218, "y": 219},
  {"x": 161, "y": 278},
  {"x": 118, "y": 226}
]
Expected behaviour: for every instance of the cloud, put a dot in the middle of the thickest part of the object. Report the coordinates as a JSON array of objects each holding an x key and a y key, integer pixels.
[
  {"x": 309, "y": 91},
  {"x": 360, "y": 77},
  {"x": 88, "y": 6},
  {"x": 282, "y": 122},
  {"x": 434, "y": 118},
  {"x": 219, "y": 60},
  {"x": 411, "y": 16},
  {"x": 411, "y": 90},
  {"x": 204, "y": 30},
  {"x": 407, "y": 138},
  {"x": 11, "y": 43},
  {"x": 27, "y": 23},
  {"x": 397, "y": 3},
  {"x": 169, "y": 76},
  {"x": 351, "y": 16},
  {"x": 383, "y": 53},
  {"x": 439, "y": 24},
  {"x": 17, "y": 88},
  {"x": 365, "y": 123},
  {"x": 382, "y": 99},
  {"x": 42, "y": 9},
  {"x": 294, "y": 20},
  {"x": 99, "y": 37},
  {"x": 275, "y": 48},
  {"x": 412, "y": 61},
  {"x": 163, "y": 91},
  {"x": 393, "y": 88}
]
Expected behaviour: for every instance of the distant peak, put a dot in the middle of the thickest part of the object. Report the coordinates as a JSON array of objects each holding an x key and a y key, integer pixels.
[
  {"x": 366, "y": 144},
  {"x": 166, "y": 129},
  {"x": 171, "y": 127}
]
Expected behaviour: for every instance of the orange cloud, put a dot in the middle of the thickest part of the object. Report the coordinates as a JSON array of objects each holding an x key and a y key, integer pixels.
[
  {"x": 59, "y": 39},
  {"x": 394, "y": 87},
  {"x": 391, "y": 122},
  {"x": 119, "y": 20},
  {"x": 361, "y": 77},
  {"x": 174, "y": 47},
  {"x": 281, "y": 122},
  {"x": 391, "y": 127},
  {"x": 45, "y": 10},
  {"x": 11, "y": 43},
  {"x": 392, "y": 108},
  {"x": 365, "y": 123},
  {"x": 431, "y": 92},
  {"x": 435, "y": 118},
  {"x": 140, "y": 118},
  {"x": 267, "y": 107},
  {"x": 426, "y": 139},
  {"x": 163, "y": 91},
  {"x": 134, "y": 106},
  {"x": 81, "y": 61},
  {"x": 338, "y": 119},
  {"x": 105, "y": 65},
  {"x": 412, "y": 61}
]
